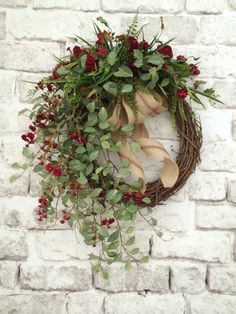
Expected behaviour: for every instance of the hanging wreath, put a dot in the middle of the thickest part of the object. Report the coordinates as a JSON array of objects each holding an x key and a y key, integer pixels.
[{"x": 93, "y": 106}]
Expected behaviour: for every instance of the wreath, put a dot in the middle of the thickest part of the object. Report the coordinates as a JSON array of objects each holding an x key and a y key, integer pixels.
[{"x": 92, "y": 108}]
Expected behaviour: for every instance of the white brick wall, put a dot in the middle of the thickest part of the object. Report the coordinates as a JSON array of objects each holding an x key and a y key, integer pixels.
[{"x": 194, "y": 269}]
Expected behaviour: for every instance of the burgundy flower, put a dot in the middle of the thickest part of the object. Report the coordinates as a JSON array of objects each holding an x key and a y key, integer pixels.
[
  {"x": 49, "y": 168},
  {"x": 77, "y": 51},
  {"x": 180, "y": 57},
  {"x": 102, "y": 52},
  {"x": 90, "y": 65},
  {"x": 102, "y": 37},
  {"x": 132, "y": 43},
  {"x": 195, "y": 69},
  {"x": 143, "y": 44},
  {"x": 182, "y": 93},
  {"x": 57, "y": 172},
  {"x": 165, "y": 66},
  {"x": 166, "y": 51}
]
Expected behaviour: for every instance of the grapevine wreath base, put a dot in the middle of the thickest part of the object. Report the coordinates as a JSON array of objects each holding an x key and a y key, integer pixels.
[{"x": 190, "y": 135}]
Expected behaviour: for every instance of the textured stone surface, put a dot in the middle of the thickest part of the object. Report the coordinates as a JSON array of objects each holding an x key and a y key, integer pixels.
[
  {"x": 137, "y": 304},
  {"x": 215, "y": 29},
  {"x": 187, "y": 277},
  {"x": 89, "y": 302},
  {"x": 32, "y": 303},
  {"x": 2, "y": 25},
  {"x": 207, "y": 186},
  {"x": 69, "y": 4},
  {"x": 222, "y": 278},
  {"x": 212, "y": 304},
  {"x": 148, "y": 6},
  {"x": 152, "y": 276},
  {"x": 56, "y": 276},
  {"x": 210, "y": 7},
  {"x": 8, "y": 274},
  {"x": 13, "y": 245},
  {"x": 29, "y": 56},
  {"x": 211, "y": 247},
  {"x": 232, "y": 191},
  {"x": 221, "y": 216},
  {"x": 13, "y": 3}
]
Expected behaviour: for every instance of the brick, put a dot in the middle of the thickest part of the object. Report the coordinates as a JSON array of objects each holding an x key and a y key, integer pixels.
[
  {"x": 8, "y": 274},
  {"x": 213, "y": 128},
  {"x": 210, "y": 247},
  {"x": 222, "y": 279},
  {"x": 234, "y": 129},
  {"x": 19, "y": 187},
  {"x": 218, "y": 156},
  {"x": 149, "y": 6},
  {"x": 2, "y": 25},
  {"x": 7, "y": 85},
  {"x": 11, "y": 148},
  {"x": 209, "y": 7},
  {"x": 227, "y": 92},
  {"x": 232, "y": 4},
  {"x": 89, "y": 302},
  {"x": 173, "y": 27},
  {"x": 13, "y": 3},
  {"x": 220, "y": 216},
  {"x": 212, "y": 304},
  {"x": 56, "y": 276},
  {"x": 232, "y": 191},
  {"x": 81, "y": 5},
  {"x": 215, "y": 30},
  {"x": 137, "y": 304},
  {"x": 29, "y": 56},
  {"x": 23, "y": 86},
  {"x": 151, "y": 277},
  {"x": 13, "y": 245},
  {"x": 207, "y": 186},
  {"x": 32, "y": 303},
  {"x": 172, "y": 217},
  {"x": 49, "y": 26},
  {"x": 187, "y": 277},
  {"x": 63, "y": 245}
]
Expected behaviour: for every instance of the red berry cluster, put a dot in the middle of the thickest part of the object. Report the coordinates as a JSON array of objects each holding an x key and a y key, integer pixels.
[
  {"x": 43, "y": 205},
  {"x": 43, "y": 117},
  {"x": 75, "y": 189},
  {"x": 165, "y": 50},
  {"x": 53, "y": 169},
  {"x": 107, "y": 222},
  {"x": 195, "y": 69},
  {"x": 81, "y": 139},
  {"x": 182, "y": 93},
  {"x": 29, "y": 138},
  {"x": 136, "y": 196},
  {"x": 65, "y": 217}
]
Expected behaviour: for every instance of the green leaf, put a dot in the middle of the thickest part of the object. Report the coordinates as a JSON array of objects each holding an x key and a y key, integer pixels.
[
  {"x": 96, "y": 268},
  {"x": 111, "y": 194},
  {"x": 93, "y": 155},
  {"x": 130, "y": 241},
  {"x": 146, "y": 200},
  {"x": 104, "y": 125},
  {"x": 135, "y": 251},
  {"x": 155, "y": 59},
  {"x": 123, "y": 71},
  {"x": 105, "y": 275},
  {"x": 16, "y": 165},
  {"x": 111, "y": 58},
  {"x": 114, "y": 236},
  {"x": 153, "y": 221},
  {"x": 111, "y": 88},
  {"x": 80, "y": 149},
  {"x": 127, "y": 128},
  {"x": 130, "y": 229},
  {"x": 23, "y": 111},
  {"x": 103, "y": 232},
  {"x": 62, "y": 71},
  {"x": 96, "y": 192},
  {"x": 145, "y": 76},
  {"x": 128, "y": 265},
  {"x": 91, "y": 106},
  {"x": 102, "y": 115},
  {"x": 126, "y": 88},
  {"x": 82, "y": 179},
  {"x": 165, "y": 82},
  {"x": 105, "y": 144},
  {"x": 13, "y": 178},
  {"x": 90, "y": 130},
  {"x": 144, "y": 259}
]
